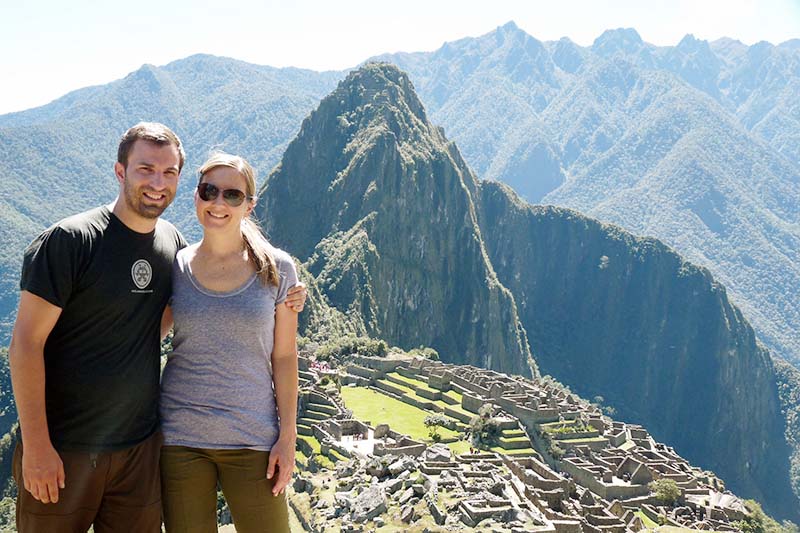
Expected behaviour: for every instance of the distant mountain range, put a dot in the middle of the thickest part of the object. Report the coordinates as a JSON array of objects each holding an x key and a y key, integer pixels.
[{"x": 697, "y": 144}]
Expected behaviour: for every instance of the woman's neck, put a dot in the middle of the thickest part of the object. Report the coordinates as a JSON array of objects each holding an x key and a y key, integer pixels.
[{"x": 217, "y": 244}]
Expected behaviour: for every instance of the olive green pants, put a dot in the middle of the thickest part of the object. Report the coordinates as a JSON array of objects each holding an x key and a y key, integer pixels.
[{"x": 189, "y": 479}]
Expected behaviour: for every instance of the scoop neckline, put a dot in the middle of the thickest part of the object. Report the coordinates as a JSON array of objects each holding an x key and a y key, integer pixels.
[{"x": 217, "y": 294}]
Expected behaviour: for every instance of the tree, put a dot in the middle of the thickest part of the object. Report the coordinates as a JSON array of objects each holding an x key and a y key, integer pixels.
[
  {"x": 667, "y": 491},
  {"x": 425, "y": 353},
  {"x": 485, "y": 429},
  {"x": 760, "y": 522},
  {"x": 433, "y": 423},
  {"x": 350, "y": 344}
]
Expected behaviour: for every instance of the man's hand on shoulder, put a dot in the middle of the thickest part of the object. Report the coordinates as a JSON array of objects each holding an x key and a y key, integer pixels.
[
  {"x": 296, "y": 297},
  {"x": 42, "y": 471}
]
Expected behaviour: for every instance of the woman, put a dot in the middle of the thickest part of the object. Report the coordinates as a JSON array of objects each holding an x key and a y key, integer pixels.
[{"x": 229, "y": 389}]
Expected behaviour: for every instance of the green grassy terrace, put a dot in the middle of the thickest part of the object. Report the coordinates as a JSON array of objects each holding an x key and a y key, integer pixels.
[
  {"x": 316, "y": 449},
  {"x": 374, "y": 407}
]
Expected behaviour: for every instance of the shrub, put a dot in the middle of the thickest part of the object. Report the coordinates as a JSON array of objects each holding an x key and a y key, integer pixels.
[
  {"x": 433, "y": 423},
  {"x": 349, "y": 345},
  {"x": 667, "y": 491},
  {"x": 759, "y": 522},
  {"x": 484, "y": 429},
  {"x": 426, "y": 353}
]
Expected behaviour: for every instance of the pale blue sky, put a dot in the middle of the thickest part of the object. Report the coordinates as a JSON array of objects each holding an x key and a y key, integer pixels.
[{"x": 50, "y": 47}]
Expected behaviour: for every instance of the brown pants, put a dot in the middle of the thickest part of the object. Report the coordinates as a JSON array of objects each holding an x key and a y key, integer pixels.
[
  {"x": 189, "y": 478},
  {"x": 114, "y": 491}
]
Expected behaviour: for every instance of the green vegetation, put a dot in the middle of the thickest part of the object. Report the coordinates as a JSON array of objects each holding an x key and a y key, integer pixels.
[
  {"x": 551, "y": 446},
  {"x": 666, "y": 490},
  {"x": 648, "y": 523},
  {"x": 368, "y": 405},
  {"x": 566, "y": 427},
  {"x": 349, "y": 345},
  {"x": 424, "y": 352},
  {"x": 434, "y": 422},
  {"x": 453, "y": 395},
  {"x": 760, "y": 522},
  {"x": 316, "y": 455},
  {"x": 484, "y": 429},
  {"x": 788, "y": 378},
  {"x": 412, "y": 383},
  {"x": 459, "y": 447},
  {"x": 8, "y": 516}
]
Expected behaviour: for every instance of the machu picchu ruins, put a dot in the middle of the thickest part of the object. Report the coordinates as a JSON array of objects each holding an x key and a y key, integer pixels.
[{"x": 557, "y": 464}]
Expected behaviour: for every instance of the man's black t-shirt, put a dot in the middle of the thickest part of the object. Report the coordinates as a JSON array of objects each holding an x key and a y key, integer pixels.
[{"x": 102, "y": 357}]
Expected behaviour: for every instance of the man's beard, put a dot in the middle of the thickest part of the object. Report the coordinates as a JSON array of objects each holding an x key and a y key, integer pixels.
[{"x": 134, "y": 199}]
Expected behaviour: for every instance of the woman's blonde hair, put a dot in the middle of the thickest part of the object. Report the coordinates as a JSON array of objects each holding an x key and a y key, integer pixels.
[{"x": 259, "y": 250}]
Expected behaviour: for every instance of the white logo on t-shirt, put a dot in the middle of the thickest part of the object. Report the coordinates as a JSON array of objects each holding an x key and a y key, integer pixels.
[{"x": 142, "y": 273}]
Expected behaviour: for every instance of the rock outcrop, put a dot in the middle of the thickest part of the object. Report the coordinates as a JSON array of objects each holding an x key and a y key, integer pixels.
[{"x": 381, "y": 208}]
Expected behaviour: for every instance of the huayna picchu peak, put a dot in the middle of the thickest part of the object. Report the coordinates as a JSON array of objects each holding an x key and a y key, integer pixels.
[
  {"x": 392, "y": 225},
  {"x": 368, "y": 161}
]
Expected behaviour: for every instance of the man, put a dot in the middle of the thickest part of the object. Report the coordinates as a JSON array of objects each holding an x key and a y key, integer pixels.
[{"x": 84, "y": 351}]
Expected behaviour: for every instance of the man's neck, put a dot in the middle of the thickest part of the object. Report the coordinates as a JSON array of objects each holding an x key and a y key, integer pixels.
[{"x": 133, "y": 221}]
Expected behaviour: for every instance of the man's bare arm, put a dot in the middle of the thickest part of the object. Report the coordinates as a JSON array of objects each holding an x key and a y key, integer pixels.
[
  {"x": 42, "y": 469},
  {"x": 296, "y": 297}
]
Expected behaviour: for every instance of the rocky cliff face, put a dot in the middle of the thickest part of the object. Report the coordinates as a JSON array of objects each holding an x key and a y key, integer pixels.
[
  {"x": 381, "y": 209},
  {"x": 394, "y": 227},
  {"x": 626, "y": 318}
]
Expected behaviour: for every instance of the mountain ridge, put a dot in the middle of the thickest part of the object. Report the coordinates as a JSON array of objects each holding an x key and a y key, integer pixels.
[{"x": 539, "y": 138}]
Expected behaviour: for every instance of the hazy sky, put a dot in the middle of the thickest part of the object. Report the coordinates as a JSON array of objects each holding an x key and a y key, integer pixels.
[{"x": 50, "y": 47}]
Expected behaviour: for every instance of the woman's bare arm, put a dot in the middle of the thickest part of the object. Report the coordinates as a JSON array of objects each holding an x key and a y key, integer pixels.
[{"x": 284, "y": 377}]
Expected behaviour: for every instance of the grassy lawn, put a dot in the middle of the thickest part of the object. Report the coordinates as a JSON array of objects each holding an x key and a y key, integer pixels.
[
  {"x": 515, "y": 439},
  {"x": 405, "y": 388},
  {"x": 649, "y": 524},
  {"x": 377, "y": 408},
  {"x": 412, "y": 383},
  {"x": 336, "y": 455},
  {"x": 564, "y": 427},
  {"x": 503, "y": 451},
  {"x": 460, "y": 409},
  {"x": 459, "y": 447},
  {"x": 454, "y": 395}
]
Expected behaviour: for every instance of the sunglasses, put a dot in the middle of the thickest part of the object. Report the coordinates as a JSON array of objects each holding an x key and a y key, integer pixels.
[{"x": 209, "y": 192}]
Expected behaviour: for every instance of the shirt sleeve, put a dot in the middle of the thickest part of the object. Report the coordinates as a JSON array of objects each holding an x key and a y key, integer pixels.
[
  {"x": 180, "y": 241},
  {"x": 50, "y": 266},
  {"x": 288, "y": 275}
]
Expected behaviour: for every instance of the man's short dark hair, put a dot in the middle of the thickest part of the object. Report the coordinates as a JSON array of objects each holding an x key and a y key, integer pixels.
[{"x": 149, "y": 131}]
